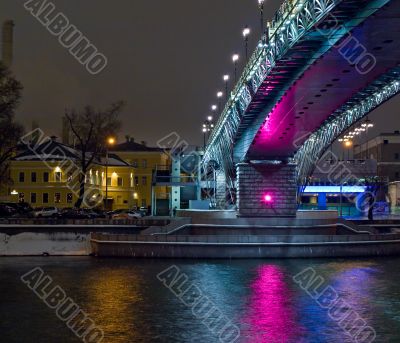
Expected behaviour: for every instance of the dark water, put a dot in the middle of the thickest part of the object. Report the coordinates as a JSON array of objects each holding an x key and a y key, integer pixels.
[{"x": 125, "y": 299}]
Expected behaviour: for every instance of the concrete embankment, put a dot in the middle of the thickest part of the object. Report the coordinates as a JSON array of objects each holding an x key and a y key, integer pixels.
[
  {"x": 36, "y": 237},
  {"x": 57, "y": 240}
]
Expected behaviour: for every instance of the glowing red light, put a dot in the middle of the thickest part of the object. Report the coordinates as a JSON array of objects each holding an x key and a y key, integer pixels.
[{"x": 268, "y": 198}]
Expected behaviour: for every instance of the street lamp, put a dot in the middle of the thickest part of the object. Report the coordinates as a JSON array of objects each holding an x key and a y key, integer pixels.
[
  {"x": 226, "y": 80},
  {"x": 109, "y": 142},
  {"x": 246, "y": 33},
  {"x": 214, "y": 108},
  {"x": 219, "y": 96},
  {"x": 210, "y": 118},
  {"x": 235, "y": 59},
  {"x": 261, "y": 6},
  {"x": 365, "y": 126}
]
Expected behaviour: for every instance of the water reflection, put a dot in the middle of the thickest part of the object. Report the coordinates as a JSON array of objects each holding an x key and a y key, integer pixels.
[
  {"x": 125, "y": 298},
  {"x": 271, "y": 316}
]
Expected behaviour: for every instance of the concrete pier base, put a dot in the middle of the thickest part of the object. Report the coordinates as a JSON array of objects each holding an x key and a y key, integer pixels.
[{"x": 266, "y": 190}]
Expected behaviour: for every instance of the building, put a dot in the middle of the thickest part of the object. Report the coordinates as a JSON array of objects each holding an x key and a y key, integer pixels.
[
  {"x": 385, "y": 149},
  {"x": 145, "y": 161},
  {"x": 48, "y": 175}
]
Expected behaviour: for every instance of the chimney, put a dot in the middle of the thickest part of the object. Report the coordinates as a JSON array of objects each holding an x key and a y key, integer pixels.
[{"x": 7, "y": 43}]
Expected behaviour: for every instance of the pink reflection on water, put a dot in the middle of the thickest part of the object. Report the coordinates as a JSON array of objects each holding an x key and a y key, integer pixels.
[{"x": 270, "y": 317}]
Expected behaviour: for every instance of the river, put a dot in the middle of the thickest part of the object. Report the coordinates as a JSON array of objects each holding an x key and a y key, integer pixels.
[{"x": 262, "y": 299}]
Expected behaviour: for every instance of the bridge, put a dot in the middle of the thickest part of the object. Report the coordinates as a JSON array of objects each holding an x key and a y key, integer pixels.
[{"x": 320, "y": 67}]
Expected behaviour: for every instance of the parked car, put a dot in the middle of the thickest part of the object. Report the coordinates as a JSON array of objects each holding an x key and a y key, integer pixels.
[
  {"x": 7, "y": 211},
  {"x": 127, "y": 214},
  {"x": 22, "y": 209},
  {"x": 46, "y": 212}
]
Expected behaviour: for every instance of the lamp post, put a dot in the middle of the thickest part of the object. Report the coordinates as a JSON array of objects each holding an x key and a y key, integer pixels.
[
  {"x": 219, "y": 96},
  {"x": 235, "y": 59},
  {"x": 246, "y": 33},
  {"x": 367, "y": 125},
  {"x": 261, "y": 6},
  {"x": 226, "y": 80},
  {"x": 110, "y": 142},
  {"x": 208, "y": 125}
]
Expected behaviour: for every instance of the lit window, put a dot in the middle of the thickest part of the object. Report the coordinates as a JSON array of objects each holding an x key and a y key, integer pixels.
[
  {"x": 57, "y": 198},
  {"x": 109, "y": 181},
  {"x": 137, "y": 180},
  {"x": 58, "y": 176}
]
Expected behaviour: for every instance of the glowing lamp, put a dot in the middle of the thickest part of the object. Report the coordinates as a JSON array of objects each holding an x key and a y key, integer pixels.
[{"x": 268, "y": 198}]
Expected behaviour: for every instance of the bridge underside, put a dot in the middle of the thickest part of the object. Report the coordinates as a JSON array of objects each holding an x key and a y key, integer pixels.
[
  {"x": 333, "y": 76},
  {"x": 329, "y": 83}
]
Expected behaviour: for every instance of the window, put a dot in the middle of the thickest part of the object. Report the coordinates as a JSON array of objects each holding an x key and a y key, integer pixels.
[
  {"x": 386, "y": 141},
  {"x": 137, "y": 180},
  {"x": 21, "y": 197},
  {"x": 33, "y": 177},
  {"x": 144, "y": 164},
  {"x": 45, "y": 177},
  {"x": 144, "y": 180},
  {"x": 397, "y": 175},
  {"x": 135, "y": 163},
  {"x": 69, "y": 198},
  {"x": 21, "y": 177},
  {"x": 58, "y": 176},
  {"x": 45, "y": 198},
  {"x": 396, "y": 156},
  {"x": 57, "y": 198},
  {"x": 119, "y": 182},
  {"x": 33, "y": 198},
  {"x": 144, "y": 203},
  {"x": 109, "y": 181}
]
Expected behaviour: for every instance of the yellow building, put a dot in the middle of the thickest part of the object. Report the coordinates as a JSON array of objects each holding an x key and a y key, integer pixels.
[
  {"x": 48, "y": 175},
  {"x": 145, "y": 160}
]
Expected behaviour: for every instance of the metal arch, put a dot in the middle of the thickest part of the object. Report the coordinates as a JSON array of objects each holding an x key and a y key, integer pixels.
[
  {"x": 292, "y": 21},
  {"x": 317, "y": 143}
]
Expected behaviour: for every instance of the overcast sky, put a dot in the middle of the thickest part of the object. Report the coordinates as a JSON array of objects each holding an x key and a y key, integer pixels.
[{"x": 166, "y": 60}]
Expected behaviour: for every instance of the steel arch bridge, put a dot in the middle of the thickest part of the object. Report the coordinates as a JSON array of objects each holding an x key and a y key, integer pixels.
[{"x": 322, "y": 66}]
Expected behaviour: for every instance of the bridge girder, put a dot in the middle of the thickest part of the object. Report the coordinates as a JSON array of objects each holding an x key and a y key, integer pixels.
[{"x": 265, "y": 62}]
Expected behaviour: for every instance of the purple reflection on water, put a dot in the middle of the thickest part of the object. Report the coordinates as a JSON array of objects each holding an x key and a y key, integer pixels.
[{"x": 271, "y": 317}]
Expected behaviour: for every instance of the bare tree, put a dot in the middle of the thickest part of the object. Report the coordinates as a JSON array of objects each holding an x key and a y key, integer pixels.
[
  {"x": 91, "y": 128},
  {"x": 10, "y": 131}
]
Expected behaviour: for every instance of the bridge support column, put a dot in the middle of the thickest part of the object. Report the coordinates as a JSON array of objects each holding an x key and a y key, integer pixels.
[
  {"x": 221, "y": 191},
  {"x": 266, "y": 190}
]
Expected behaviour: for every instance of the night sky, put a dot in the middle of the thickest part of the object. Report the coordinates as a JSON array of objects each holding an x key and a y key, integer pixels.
[{"x": 166, "y": 60}]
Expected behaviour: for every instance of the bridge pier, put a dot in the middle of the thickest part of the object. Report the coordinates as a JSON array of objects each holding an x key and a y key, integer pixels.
[
  {"x": 266, "y": 190},
  {"x": 221, "y": 191}
]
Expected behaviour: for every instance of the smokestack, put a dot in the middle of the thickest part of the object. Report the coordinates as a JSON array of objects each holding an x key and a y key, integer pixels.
[{"x": 8, "y": 42}]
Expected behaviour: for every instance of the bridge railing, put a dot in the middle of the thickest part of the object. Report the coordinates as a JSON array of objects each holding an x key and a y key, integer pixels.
[
  {"x": 268, "y": 40},
  {"x": 291, "y": 21}
]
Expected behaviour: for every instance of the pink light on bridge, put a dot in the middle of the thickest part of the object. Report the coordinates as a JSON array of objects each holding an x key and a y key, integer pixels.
[{"x": 268, "y": 198}]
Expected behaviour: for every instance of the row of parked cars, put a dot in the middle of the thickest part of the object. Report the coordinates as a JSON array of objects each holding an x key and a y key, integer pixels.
[{"x": 24, "y": 210}]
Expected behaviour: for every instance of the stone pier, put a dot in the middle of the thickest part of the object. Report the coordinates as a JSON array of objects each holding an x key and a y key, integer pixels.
[{"x": 266, "y": 190}]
